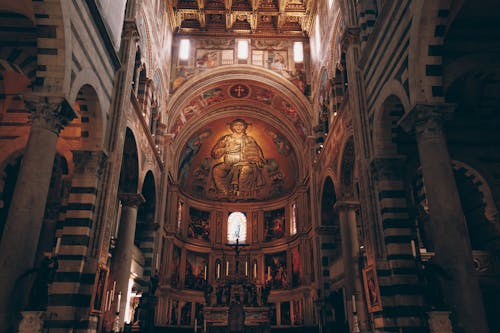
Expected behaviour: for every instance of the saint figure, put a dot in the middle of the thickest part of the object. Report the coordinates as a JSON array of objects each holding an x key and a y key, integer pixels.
[{"x": 239, "y": 175}]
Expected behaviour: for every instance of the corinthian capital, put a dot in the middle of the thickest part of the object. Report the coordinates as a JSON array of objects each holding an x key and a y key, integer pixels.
[
  {"x": 49, "y": 113},
  {"x": 349, "y": 37},
  {"x": 131, "y": 199},
  {"x": 427, "y": 119}
]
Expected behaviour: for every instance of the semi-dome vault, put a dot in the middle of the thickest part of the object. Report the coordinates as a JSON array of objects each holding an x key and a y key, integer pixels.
[{"x": 213, "y": 161}]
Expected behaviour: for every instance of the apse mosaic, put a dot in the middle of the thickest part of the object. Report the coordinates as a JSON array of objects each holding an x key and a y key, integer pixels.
[
  {"x": 237, "y": 159},
  {"x": 244, "y": 90}
]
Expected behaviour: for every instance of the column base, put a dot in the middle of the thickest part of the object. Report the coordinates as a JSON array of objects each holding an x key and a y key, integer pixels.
[
  {"x": 32, "y": 322},
  {"x": 439, "y": 322}
]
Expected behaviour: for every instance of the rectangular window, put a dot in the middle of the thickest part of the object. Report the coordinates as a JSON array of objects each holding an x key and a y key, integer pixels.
[
  {"x": 298, "y": 52},
  {"x": 242, "y": 49},
  {"x": 184, "y": 49}
]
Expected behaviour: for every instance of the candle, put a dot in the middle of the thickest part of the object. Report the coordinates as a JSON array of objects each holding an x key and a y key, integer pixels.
[
  {"x": 246, "y": 268},
  {"x": 268, "y": 272},
  {"x": 112, "y": 295},
  {"x": 218, "y": 270},
  {"x": 254, "y": 270},
  {"x": 205, "y": 272},
  {"x": 353, "y": 303},
  {"x": 204, "y": 326},
  {"x": 106, "y": 301},
  {"x": 413, "y": 250},
  {"x": 118, "y": 302},
  {"x": 195, "y": 324},
  {"x": 227, "y": 267}
]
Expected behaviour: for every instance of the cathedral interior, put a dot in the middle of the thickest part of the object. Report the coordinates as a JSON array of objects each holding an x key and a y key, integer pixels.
[{"x": 258, "y": 166}]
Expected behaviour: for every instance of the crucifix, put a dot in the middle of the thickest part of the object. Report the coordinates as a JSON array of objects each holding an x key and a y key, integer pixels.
[{"x": 237, "y": 249}]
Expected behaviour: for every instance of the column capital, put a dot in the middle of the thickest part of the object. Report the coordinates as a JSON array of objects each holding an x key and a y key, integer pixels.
[
  {"x": 88, "y": 161},
  {"x": 387, "y": 168},
  {"x": 427, "y": 119},
  {"x": 346, "y": 205},
  {"x": 130, "y": 29},
  {"x": 131, "y": 199},
  {"x": 350, "y": 36},
  {"x": 51, "y": 113}
]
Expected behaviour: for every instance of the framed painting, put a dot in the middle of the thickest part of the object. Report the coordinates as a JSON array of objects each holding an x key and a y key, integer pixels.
[
  {"x": 101, "y": 279},
  {"x": 372, "y": 290}
]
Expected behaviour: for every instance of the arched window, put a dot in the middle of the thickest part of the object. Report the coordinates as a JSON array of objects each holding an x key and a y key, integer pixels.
[{"x": 236, "y": 228}]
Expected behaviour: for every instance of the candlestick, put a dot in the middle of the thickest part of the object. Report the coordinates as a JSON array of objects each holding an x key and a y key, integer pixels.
[{"x": 118, "y": 302}]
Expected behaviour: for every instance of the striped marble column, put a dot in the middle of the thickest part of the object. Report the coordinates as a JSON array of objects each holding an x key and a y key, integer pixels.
[{"x": 24, "y": 221}]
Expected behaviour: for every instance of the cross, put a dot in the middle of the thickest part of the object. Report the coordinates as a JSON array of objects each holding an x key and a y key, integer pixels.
[
  {"x": 237, "y": 249},
  {"x": 239, "y": 90}
]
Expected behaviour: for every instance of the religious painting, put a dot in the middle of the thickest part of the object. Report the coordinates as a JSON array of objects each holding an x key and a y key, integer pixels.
[
  {"x": 186, "y": 313},
  {"x": 99, "y": 287},
  {"x": 372, "y": 291},
  {"x": 276, "y": 274},
  {"x": 277, "y": 60},
  {"x": 175, "y": 266},
  {"x": 207, "y": 58},
  {"x": 324, "y": 96},
  {"x": 196, "y": 271},
  {"x": 274, "y": 224},
  {"x": 285, "y": 313},
  {"x": 296, "y": 267},
  {"x": 238, "y": 159},
  {"x": 199, "y": 226}
]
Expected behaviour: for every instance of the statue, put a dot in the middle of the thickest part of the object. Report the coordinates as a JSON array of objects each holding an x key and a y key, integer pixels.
[{"x": 239, "y": 175}]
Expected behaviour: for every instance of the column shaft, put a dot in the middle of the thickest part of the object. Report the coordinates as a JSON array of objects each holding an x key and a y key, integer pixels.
[
  {"x": 24, "y": 221},
  {"x": 453, "y": 251}
]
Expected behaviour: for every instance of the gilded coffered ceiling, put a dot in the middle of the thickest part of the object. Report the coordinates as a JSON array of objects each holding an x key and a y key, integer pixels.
[{"x": 258, "y": 17}]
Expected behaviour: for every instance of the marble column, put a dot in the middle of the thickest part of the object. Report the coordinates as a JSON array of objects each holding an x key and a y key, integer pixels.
[
  {"x": 24, "y": 221},
  {"x": 122, "y": 260},
  {"x": 350, "y": 253},
  {"x": 448, "y": 226}
]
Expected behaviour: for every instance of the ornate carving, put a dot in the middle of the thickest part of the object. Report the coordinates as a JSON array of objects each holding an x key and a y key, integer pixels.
[
  {"x": 349, "y": 37},
  {"x": 390, "y": 168},
  {"x": 32, "y": 322},
  {"x": 131, "y": 199},
  {"x": 91, "y": 162},
  {"x": 426, "y": 120},
  {"x": 51, "y": 114}
]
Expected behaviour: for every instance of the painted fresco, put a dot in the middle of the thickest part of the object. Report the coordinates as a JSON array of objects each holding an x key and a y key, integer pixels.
[
  {"x": 196, "y": 271},
  {"x": 238, "y": 159},
  {"x": 274, "y": 223},
  {"x": 275, "y": 274},
  {"x": 271, "y": 54},
  {"x": 223, "y": 93},
  {"x": 199, "y": 226}
]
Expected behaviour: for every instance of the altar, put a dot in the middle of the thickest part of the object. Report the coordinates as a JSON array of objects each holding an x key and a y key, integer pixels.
[{"x": 218, "y": 319}]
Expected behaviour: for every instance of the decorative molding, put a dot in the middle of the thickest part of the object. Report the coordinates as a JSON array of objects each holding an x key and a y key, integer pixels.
[{"x": 52, "y": 114}]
